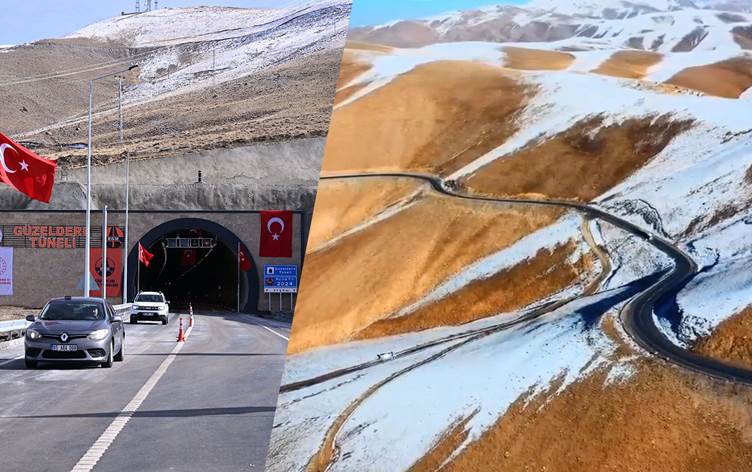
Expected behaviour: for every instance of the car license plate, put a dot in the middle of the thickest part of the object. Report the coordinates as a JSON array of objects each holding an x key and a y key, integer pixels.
[{"x": 64, "y": 347}]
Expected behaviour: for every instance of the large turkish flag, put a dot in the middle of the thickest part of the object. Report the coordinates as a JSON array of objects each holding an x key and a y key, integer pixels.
[
  {"x": 25, "y": 171},
  {"x": 276, "y": 234}
]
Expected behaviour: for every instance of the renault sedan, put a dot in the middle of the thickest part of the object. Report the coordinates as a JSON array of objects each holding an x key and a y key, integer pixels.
[{"x": 75, "y": 329}]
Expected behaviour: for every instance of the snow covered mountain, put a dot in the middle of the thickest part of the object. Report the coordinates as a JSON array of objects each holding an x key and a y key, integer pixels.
[{"x": 658, "y": 26}]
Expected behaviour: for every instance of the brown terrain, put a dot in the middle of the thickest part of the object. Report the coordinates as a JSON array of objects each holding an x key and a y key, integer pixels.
[
  {"x": 9, "y": 313},
  {"x": 236, "y": 113},
  {"x": 731, "y": 340},
  {"x": 661, "y": 419},
  {"x": 728, "y": 79},
  {"x": 535, "y": 279},
  {"x": 435, "y": 118},
  {"x": 406, "y": 255},
  {"x": 343, "y": 204},
  {"x": 587, "y": 162},
  {"x": 29, "y": 102},
  {"x": 629, "y": 64},
  {"x": 536, "y": 59},
  {"x": 353, "y": 65}
]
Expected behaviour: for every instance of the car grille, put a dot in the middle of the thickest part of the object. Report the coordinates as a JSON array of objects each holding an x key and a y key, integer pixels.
[
  {"x": 64, "y": 355},
  {"x": 71, "y": 337},
  {"x": 32, "y": 351},
  {"x": 96, "y": 352}
]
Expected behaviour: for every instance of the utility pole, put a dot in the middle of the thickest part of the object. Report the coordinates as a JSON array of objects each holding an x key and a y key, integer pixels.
[
  {"x": 87, "y": 255},
  {"x": 104, "y": 253},
  {"x": 138, "y": 6}
]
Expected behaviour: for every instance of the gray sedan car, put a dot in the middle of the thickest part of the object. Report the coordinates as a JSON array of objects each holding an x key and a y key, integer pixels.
[{"x": 75, "y": 329}]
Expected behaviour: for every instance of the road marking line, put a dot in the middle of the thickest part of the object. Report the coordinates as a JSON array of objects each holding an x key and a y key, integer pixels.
[
  {"x": 100, "y": 446},
  {"x": 272, "y": 331},
  {"x": 12, "y": 360}
]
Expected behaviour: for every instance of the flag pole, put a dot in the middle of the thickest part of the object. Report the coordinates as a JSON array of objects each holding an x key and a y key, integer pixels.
[
  {"x": 138, "y": 272},
  {"x": 238, "y": 276},
  {"x": 104, "y": 253}
]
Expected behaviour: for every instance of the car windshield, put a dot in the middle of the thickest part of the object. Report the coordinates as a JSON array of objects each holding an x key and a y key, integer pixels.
[
  {"x": 73, "y": 310},
  {"x": 149, "y": 298}
]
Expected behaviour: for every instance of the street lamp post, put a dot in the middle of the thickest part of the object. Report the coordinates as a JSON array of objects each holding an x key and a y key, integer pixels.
[{"x": 87, "y": 255}]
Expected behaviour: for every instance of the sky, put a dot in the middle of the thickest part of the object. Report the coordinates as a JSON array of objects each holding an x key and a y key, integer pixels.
[
  {"x": 29, "y": 20},
  {"x": 374, "y": 12}
]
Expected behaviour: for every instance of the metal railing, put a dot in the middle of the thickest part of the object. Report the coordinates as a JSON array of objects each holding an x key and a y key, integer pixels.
[{"x": 14, "y": 329}]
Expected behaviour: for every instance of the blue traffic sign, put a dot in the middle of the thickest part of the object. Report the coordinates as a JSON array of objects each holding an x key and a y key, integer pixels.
[{"x": 280, "y": 279}]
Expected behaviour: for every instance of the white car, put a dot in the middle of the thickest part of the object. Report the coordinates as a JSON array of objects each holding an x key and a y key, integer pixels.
[{"x": 150, "y": 306}]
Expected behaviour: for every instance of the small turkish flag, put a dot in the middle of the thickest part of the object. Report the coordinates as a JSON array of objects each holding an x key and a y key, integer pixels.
[
  {"x": 188, "y": 257},
  {"x": 276, "y": 234},
  {"x": 244, "y": 259},
  {"x": 25, "y": 171},
  {"x": 144, "y": 256}
]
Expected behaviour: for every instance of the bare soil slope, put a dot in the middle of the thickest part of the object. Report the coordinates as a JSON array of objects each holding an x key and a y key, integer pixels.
[
  {"x": 729, "y": 78},
  {"x": 536, "y": 59},
  {"x": 344, "y": 204},
  {"x": 405, "y": 256},
  {"x": 582, "y": 162},
  {"x": 629, "y": 64},
  {"x": 290, "y": 101},
  {"x": 662, "y": 419},
  {"x": 437, "y": 117},
  {"x": 731, "y": 340}
]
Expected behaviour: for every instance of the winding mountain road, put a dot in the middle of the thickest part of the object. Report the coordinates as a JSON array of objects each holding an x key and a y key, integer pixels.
[{"x": 637, "y": 315}]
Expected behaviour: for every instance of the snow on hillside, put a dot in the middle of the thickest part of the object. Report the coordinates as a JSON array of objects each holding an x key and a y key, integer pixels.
[
  {"x": 205, "y": 46},
  {"x": 607, "y": 8},
  {"x": 478, "y": 381}
]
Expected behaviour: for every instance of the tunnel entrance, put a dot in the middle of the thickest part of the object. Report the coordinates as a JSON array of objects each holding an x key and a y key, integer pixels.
[{"x": 194, "y": 261}]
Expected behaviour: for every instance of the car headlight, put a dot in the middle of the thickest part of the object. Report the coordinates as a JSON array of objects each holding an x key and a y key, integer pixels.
[
  {"x": 33, "y": 334},
  {"x": 98, "y": 335}
]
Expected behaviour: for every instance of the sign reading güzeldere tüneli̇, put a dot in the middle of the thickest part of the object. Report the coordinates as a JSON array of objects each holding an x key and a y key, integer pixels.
[
  {"x": 6, "y": 271},
  {"x": 51, "y": 236}
]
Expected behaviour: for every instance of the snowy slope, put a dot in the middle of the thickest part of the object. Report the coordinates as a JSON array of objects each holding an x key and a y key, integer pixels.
[
  {"x": 198, "y": 47},
  {"x": 662, "y": 26}
]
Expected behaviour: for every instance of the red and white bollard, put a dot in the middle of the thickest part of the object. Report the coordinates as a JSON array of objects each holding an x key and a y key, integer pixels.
[
  {"x": 181, "y": 335},
  {"x": 190, "y": 312}
]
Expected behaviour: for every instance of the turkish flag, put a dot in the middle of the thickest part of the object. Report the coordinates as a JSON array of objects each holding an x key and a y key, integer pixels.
[
  {"x": 188, "y": 257},
  {"x": 276, "y": 234},
  {"x": 144, "y": 256},
  {"x": 25, "y": 171},
  {"x": 244, "y": 259}
]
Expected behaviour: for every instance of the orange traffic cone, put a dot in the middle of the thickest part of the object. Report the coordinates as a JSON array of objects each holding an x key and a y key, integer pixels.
[
  {"x": 190, "y": 321},
  {"x": 190, "y": 308},
  {"x": 181, "y": 336}
]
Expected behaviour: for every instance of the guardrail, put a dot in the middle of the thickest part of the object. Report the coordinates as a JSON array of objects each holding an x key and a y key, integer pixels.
[
  {"x": 14, "y": 329},
  {"x": 122, "y": 309}
]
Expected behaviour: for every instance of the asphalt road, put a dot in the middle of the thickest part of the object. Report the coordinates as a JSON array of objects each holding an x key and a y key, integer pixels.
[
  {"x": 637, "y": 315},
  {"x": 208, "y": 406}
]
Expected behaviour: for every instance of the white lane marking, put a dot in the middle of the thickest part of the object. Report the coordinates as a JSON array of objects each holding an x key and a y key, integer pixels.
[
  {"x": 272, "y": 331},
  {"x": 97, "y": 450},
  {"x": 11, "y": 360}
]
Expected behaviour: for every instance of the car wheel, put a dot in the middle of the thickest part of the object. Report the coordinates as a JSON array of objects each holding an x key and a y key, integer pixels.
[
  {"x": 134, "y": 320},
  {"x": 30, "y": 364},
  {"x": 108, "y": 363},
  {"x": 119, "y": 356},
  {"x": 164, "y": 321}
]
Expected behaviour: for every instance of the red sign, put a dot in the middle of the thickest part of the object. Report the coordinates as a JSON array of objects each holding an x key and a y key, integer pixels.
[
  {"x": 51, "y": 237},
  {"x": 276, "y": 234},
  {"x": 113, "y": 270}
]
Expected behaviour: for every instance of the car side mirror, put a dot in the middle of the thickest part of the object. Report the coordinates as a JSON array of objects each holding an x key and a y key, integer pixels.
[
  {"x": 117, "y": 319},
  {"x": 31, "y": 318}
]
